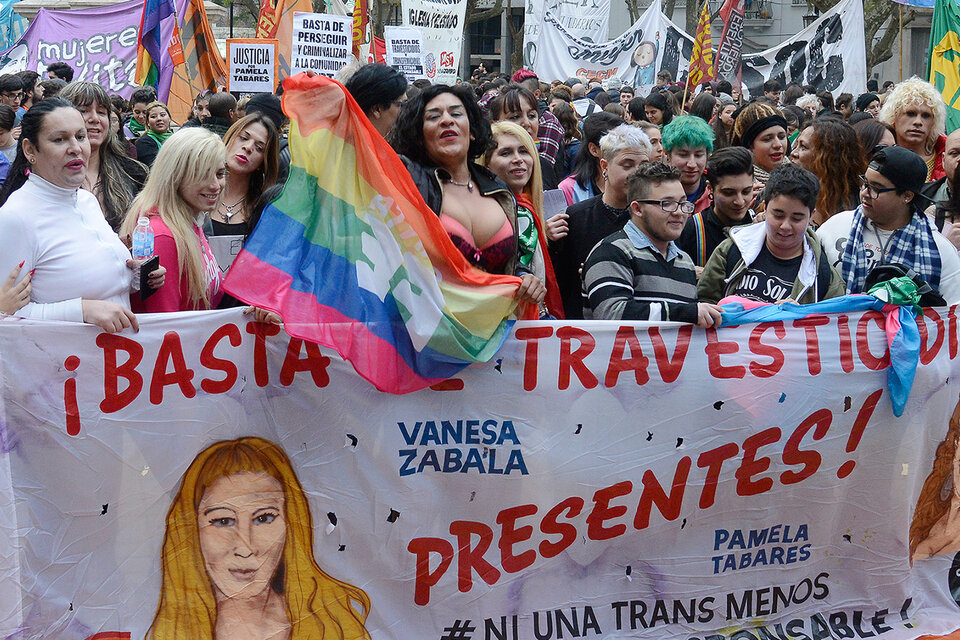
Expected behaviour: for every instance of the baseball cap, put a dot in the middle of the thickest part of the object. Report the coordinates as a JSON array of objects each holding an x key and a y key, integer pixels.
[{"x": 905, "y": 169}]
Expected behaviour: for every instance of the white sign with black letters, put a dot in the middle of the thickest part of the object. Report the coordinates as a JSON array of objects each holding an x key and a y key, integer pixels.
[
  {"x": 405, "y": 51},
  {"x": 252, "y": 65},
  {"x": 321, "y": 43}
]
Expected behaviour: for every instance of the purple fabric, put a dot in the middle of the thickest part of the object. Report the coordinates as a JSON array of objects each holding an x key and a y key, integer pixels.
[{"x": 99, "y": 43}]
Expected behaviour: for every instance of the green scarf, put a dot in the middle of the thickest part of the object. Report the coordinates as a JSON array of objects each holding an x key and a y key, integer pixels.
[
  {"x": 159, "y": 138},
  {"x": 135, "y": 127}
]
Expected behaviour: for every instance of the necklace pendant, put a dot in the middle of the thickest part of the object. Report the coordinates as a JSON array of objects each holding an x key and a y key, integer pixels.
[{"x": 470, "y": 187}]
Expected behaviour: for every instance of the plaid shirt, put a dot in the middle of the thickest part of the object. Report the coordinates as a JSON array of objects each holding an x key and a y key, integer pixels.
[{"x": 551, "y": 137}]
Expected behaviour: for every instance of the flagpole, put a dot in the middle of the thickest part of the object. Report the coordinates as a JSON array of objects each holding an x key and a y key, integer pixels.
[
  {"x": 900, "y": 79},
  {"x": 186, "y": 63}
]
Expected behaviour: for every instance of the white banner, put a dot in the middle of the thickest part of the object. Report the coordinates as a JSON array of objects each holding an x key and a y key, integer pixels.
[
  {"x": 252, "y": 65},
  {"x": 829, "y": 54},
  {"x": 594, "y": 480},
  {"x": 405, "y": 51},
  {"x": 321, "y": 43},
  {"x": 442, "y": 23},
  {"x": 584, "y": 19}
]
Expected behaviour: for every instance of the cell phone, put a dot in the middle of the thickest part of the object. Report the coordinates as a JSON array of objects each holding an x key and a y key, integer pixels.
[{"x": 146, "y": 269}]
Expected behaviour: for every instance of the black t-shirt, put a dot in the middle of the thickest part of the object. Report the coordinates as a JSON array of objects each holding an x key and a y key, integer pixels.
[{"x": 768, "y": 279}]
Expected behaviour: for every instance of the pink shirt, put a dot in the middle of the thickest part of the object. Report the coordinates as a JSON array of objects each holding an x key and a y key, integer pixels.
[{"x": 174, "y": 294}]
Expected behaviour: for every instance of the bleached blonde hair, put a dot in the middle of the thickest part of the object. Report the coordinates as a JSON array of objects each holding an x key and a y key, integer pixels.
[
  {"x": 915, "y": 91},
  {"x": 624, "y": 137},
  {"x": 187, "y": 157},
  {"x": 534, "y": 188}
]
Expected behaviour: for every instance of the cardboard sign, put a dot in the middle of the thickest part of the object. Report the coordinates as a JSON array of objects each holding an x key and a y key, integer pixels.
[
  {"x": 253, "y": 65},
  {"x": 405, "y": 51},
  {"x": 321, "y": 43}
]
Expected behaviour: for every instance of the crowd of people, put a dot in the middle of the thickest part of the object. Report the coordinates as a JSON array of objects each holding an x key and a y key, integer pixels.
[{"x": 606, "y": 203}]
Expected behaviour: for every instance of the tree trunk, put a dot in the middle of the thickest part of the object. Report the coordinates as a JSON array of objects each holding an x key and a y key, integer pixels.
[
  {"x": 877, "y": 14},
  {"x": 668, "y": 8},
  {"x": 694, "y": 7},
  {"x": 476, "y": 15}
]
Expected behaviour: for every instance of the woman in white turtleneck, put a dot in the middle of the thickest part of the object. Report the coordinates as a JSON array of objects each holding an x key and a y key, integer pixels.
[{"x": 81, "y": 269}]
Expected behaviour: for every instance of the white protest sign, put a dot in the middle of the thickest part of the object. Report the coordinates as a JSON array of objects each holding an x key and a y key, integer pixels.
[
  {"x": 321, "y": 43},
  {"x": 442, "y": 23},
  {"x": 584, "y": 19},
  {"x": 405, "y": 51},
  {"x": 252, "y": 65}
]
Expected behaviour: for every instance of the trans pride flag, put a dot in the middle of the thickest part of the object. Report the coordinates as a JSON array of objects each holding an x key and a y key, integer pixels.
[{"x": 352, "y": 258}]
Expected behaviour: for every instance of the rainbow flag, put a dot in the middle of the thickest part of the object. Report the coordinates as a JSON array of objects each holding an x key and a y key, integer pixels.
[
  {"x": 154, "y": 68},
  {"x": 352, "y": 258}
]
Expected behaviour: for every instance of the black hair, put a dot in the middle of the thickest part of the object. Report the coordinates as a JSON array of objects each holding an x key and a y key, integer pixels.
[
  {"x": 888, "y": 83},
  {"x": 52, "y": 87},
  {"x": 10, "y": 82},
  {"x": 637, "y": 110},
  {"x": 406, "y": 137},
  {"x": 657, "y": 100},
  {"x": 870, "y": 132},
  {"x": 143, "y": 95},
  {"x": 7, "y": 117},
  {"x": 28, "y": 79},
  {"x": 872, "y": 86},
  {"x": 772, "y": 85},
  {"x": 30, "y": 126},
  {"x": 221, "y": 104},
  {"x": 602, "y": 99},
  {"x": 791, "y": 94},
  {"x": 422, "y": 83},
  {"x": 794, "y": 181},
  {"x": 826, "y": 99},
  {"x": 376, "y": 85},
  {"x": 703, "y": 106},
  {"x": 724, "y": 86},
  {"x": 62, "y": 70},
  {"x": 730, "y": 161},
  {"x": 595, "y": 126},
  {"x": 646, "y": 175},
  {"x": 844, "y": 99},
  {"x": 627, "y": 89},
  {"x": 794, "y": 115},
  {"x": 509, "y": 99}
]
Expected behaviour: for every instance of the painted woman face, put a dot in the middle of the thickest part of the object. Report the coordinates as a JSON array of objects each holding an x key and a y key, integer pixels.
[
  {"x": 643, "y": 55},
  {"x": 242, "y": 533}
]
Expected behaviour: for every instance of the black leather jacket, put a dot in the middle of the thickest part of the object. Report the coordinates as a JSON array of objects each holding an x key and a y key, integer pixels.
[{"x": 429, "y": 183}]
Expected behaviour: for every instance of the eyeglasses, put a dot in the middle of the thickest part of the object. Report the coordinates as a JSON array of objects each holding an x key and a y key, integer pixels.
[
  {"x": 12, "y": 95},
  {"x": 872, "y": 190},
  {"x": 669, "y": 206}
]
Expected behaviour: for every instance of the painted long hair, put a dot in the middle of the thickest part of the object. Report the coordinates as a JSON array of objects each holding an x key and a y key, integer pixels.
[
  {"x": 319, "y": 607},
  {"x": 931, "y": 504}
]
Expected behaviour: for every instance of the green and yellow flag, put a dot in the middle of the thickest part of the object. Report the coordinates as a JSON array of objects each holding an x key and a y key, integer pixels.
[{"x": 944, "y": 56}]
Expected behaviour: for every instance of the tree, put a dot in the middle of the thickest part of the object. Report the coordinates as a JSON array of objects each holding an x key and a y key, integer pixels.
[{"x": 878, "y": 14}]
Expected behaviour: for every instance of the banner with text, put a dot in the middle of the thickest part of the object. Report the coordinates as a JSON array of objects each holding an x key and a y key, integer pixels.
[
  {"x": 585, "y": 20},
  {"x": 253, "y": 65},
  {"x": 321, "y": 43},
  {"x": 100, "y": 43},
  {"x": 829, "y": 54},
  {"x": 593, "y": 480},
  {"x": 405, "y": 51},
  {"x": 442, "y": 23}
]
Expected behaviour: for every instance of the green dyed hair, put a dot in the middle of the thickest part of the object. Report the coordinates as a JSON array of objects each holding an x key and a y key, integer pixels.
[{"x": 687, "y": 131}]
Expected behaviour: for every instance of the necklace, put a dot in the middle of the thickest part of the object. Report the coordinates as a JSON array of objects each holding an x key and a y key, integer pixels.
[
  {"x": 232, "y": 209},
  {"x": 468, "y": 184}
]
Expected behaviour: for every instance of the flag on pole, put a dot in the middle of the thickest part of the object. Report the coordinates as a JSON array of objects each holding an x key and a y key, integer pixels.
[
  {"x": 729, "y": 66},
  {"x": 944, "y": 57},
  {"x": 203, "y": 68},
  {"x": 269, "y": 20},
  {"x": 157, "y": 44},
  {"x": 353, "y": 259},
  {"x": 701, "y": 59},
  {"x": 360, "y": 19}
]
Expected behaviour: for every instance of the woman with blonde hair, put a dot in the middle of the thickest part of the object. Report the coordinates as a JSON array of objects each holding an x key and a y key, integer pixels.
[
  {"x": 253, "y": 163},
  {"x": 238, "y": 555},
  {"x": 514, "y": 160},
  {"x": 186, "y": 183},
  {"x": 917, "y": 113}
]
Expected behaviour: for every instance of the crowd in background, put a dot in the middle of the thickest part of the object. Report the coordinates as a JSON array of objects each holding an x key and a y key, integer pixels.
[{"x": 606, "y": 203}]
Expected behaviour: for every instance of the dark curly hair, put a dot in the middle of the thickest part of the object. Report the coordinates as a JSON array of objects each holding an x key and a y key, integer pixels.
[{"x": 407, "y": 134}]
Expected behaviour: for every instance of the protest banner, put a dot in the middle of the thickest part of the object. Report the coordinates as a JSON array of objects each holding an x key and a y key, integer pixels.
[
  {"x": 405, "y": 51},
  {"x": 321, "y": 43},
  {"x": 253, "y": 65},
  {"x": 597, "y": 480},
  {"x": 442, "y": 23},
  {"x": 100, "y": 43},
  {"x": 587, "y": 21},
  {"x": 830, "y": 54}
]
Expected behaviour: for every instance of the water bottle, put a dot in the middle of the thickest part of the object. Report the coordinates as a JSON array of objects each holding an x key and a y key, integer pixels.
[{"x": 142, "y": 246}]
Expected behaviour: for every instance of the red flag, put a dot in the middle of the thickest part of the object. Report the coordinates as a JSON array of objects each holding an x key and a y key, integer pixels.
[
  {"x": 360, "y": 18},
  {"x": 731, "y": 42},
  {"x": 701, "y": 60},
  {"x": 269, "y": 20}
]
